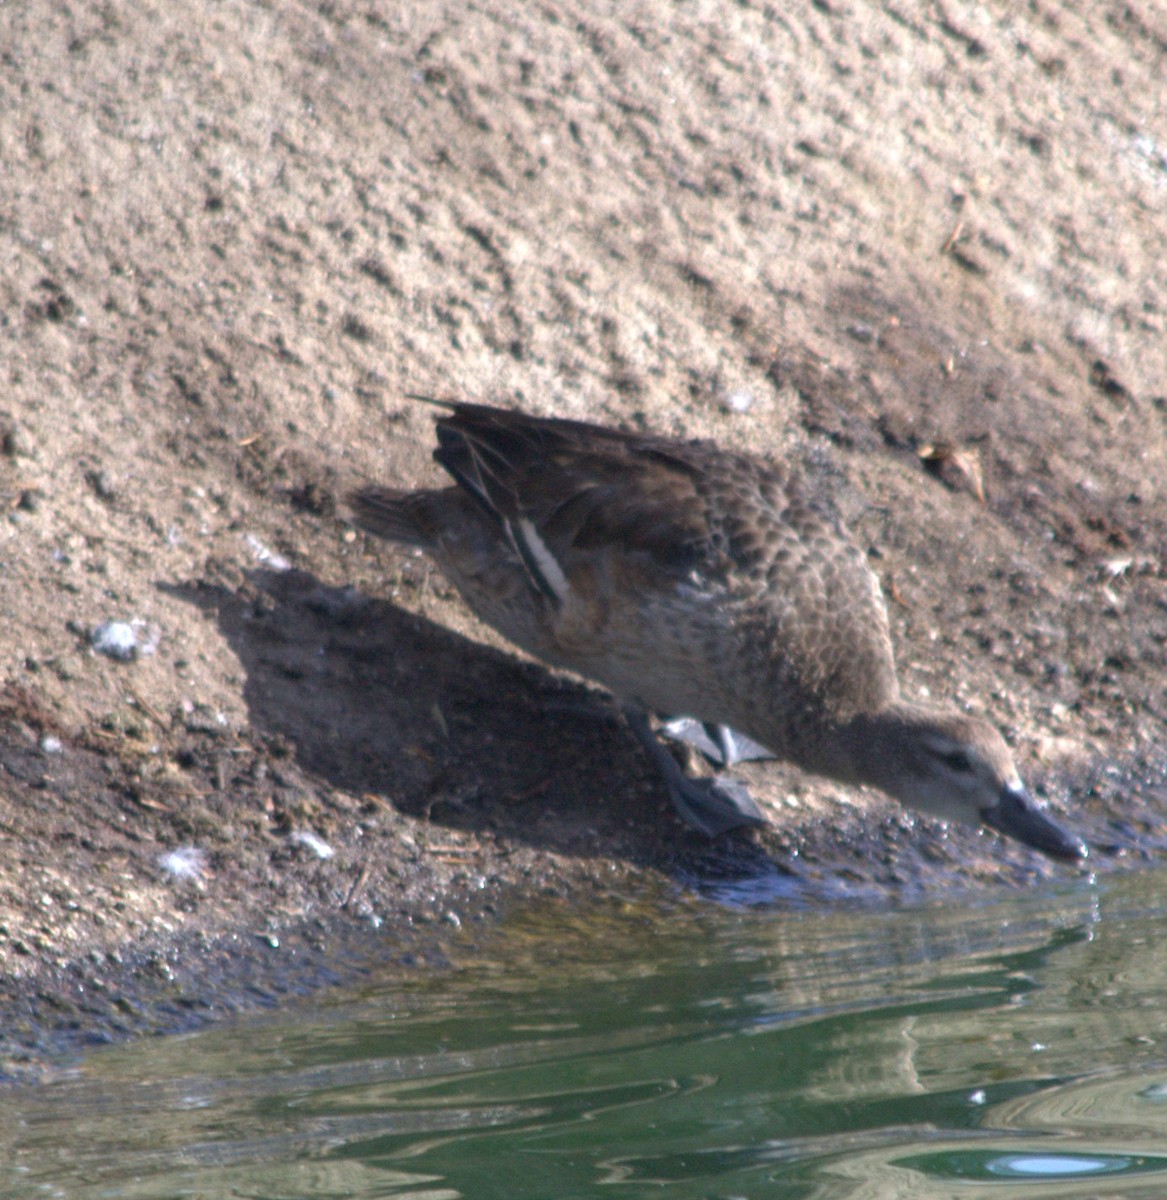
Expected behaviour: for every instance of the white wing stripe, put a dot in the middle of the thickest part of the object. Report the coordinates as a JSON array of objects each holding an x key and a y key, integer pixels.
[{"x": 539, "y": 560}]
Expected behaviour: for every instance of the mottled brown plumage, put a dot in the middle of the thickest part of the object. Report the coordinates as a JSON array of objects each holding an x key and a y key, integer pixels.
[{"x": 694, "y": 580}]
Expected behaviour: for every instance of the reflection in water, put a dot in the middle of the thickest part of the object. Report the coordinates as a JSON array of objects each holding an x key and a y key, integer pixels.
[
  {"x": 712, "y": 1050},
  {"x": 1037, "y": 1165}
]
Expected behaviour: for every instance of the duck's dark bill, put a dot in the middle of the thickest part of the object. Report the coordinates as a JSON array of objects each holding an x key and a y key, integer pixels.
[{"x": 1018, "y": 815}]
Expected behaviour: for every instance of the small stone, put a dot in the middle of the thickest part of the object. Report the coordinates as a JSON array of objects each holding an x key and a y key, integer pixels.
[
  {"x": 103, "y": 484},
  {"x": 265, "y": 556},
  {"x": 115, "y": 639},
  {"x": 15, "y": 442},
  {"x": 738, "y": 401},
  {"x": 126, "y": 640},
  {"x": 314, "y": 498},
  {"x": 311, "y": 841}
]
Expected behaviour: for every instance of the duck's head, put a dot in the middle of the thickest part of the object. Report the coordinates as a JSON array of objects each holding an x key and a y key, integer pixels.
[{"x": 958, "y": 768}]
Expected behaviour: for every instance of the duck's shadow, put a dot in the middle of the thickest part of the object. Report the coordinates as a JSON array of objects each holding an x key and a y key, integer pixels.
[{"x": 378, "y": 700}]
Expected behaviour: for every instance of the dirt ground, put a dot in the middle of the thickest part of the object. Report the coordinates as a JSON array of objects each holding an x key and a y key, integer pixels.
[{"x": 919, "y": 246}]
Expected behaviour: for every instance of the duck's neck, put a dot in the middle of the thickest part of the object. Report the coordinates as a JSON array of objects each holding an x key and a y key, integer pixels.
[{"x": 869, "y": 748}]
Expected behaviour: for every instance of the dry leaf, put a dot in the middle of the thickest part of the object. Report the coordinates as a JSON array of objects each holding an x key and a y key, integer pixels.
[{"x": 966, "y": 460}]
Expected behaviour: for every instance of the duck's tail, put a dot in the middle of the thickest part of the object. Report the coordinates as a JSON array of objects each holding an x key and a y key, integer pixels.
[{"x": 389, "y": 513}]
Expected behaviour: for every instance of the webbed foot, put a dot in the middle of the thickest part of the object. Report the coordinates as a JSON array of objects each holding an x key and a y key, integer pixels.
[
  {"x": 720, "y": 744},
  {"x": 711, "y": 806}
]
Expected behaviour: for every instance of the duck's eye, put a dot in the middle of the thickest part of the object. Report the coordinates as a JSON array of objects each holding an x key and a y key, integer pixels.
[{"x": 957, "y": 761}]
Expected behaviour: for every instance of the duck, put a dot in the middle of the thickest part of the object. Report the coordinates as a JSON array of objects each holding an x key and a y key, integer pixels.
[{"x": 707, "y": 586}]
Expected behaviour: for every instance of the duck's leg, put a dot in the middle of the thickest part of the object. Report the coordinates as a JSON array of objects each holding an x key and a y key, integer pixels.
[
  {"x": 720, "y": 744},
  {"x": 711, "y": 806}
]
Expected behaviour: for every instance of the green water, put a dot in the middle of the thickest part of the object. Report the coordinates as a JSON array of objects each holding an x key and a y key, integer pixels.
[{"x": 1008, "y": 1046}]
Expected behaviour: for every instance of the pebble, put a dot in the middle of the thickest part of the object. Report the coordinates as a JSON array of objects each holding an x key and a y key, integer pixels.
[
  {"x": 15, "y": 442},
  {"x": 104, "y": 485},
  {"x": 266, "y": 556},
  {"x": 125, "y": 640},
  {"x": 116, "y": 639},
  {"x": 311, "y": 841},
  {"x": 738, "y": 401}
]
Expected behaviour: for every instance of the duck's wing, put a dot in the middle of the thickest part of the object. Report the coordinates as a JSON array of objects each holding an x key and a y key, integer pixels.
[
  {"x": 659, "y": 515},
  {"x": 564, "y": 491}
]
